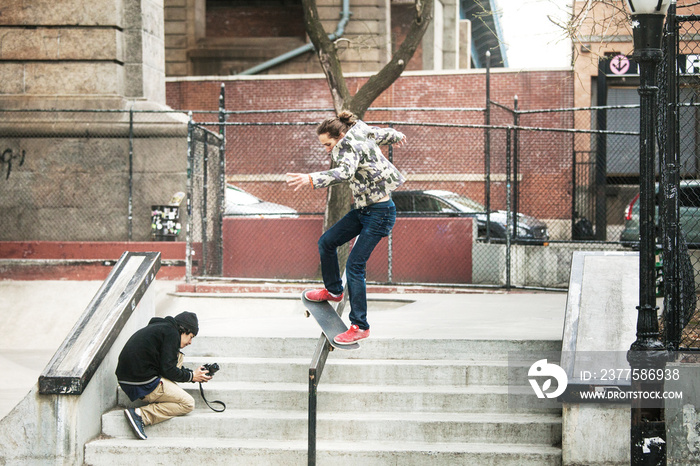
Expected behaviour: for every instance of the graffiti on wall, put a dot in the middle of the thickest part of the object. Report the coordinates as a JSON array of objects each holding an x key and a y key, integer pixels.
[{"x": 7, "y": 158}]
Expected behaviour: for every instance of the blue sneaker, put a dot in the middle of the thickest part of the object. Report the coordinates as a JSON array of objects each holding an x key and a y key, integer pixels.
[{"x": 136, "y": 423}]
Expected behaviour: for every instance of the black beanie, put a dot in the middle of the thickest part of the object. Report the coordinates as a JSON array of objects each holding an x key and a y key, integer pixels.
[{"x": 189, "y": 321}]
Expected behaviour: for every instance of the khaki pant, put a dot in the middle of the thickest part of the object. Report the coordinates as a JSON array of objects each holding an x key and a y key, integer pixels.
[{"x": 166, "y": 401}]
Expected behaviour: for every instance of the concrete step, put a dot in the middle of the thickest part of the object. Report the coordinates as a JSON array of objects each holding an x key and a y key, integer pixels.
[
  {"x": 372, "y": 348},
  {"x": 278, "y": 425},
  {"x": 377, "y": 371},
  {"x": 408, "y": 402},
  {"x": 262, "y": 452},
  {"x": 362, "y": 397}
]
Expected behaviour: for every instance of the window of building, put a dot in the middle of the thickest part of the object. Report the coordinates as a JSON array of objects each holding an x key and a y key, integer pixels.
[{"x": 254, "y": 18}]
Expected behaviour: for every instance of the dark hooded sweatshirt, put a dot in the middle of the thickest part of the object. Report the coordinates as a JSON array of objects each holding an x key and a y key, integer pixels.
[{"x": 150, "y": 354}]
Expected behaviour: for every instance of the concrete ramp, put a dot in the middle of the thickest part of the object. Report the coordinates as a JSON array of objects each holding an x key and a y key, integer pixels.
[
  {"x": 601, "y": 309},
  {"x": 599, "y": 327},
  {"x": 51, "y": 424}
]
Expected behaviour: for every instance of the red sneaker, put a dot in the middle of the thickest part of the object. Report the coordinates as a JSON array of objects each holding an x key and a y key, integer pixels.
[
  {"x": 322, "y": 295},
  {"x": 351, "y": 336}
]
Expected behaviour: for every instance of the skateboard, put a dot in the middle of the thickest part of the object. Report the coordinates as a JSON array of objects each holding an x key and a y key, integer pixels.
[{"x": 328, "y": 319}]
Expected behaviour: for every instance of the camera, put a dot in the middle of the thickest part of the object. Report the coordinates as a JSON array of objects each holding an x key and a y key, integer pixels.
[{"x": 211, "y": 368}]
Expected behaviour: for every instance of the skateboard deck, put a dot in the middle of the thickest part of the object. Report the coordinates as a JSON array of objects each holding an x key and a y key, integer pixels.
[{"x": 328, "y": 319}]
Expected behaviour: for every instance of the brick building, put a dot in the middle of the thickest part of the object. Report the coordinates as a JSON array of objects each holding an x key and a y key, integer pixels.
[
  {"x": 607, "y": 75},
  {"x": 220, "y": 37}
]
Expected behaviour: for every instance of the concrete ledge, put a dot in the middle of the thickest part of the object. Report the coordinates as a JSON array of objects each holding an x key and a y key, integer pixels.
[
  {"x": 601, "y": 316},
  {"x": 84, "y": 260},
  {"x": 53, "y": 427},
  {"x": 76, "y": 360},
  {"x": 599, "y": 327},
  {"x": 88, "y": 250}
]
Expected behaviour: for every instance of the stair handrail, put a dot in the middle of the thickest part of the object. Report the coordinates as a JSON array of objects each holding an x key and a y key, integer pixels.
[{"x": 318, "y": 363}]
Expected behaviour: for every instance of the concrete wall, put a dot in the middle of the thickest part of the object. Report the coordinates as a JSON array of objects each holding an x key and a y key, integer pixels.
[
  {"x": 69, "y": 173},
  {"x": 537, "y": 266},
  {"x": 601, "y": 320},
  {"x": 56, "y": 427},
  {"x": 683, "y": 416},
  {"x": 198, "y": 43},
  {"x": 73, "y": 51},
  {"x": 73, "y": 180}
]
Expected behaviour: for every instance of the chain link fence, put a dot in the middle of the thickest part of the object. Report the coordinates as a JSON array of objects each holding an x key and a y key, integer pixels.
[
  {"x": 91, "y": 175},
  {"x": 678, "y": 196},
  {"x": 499, "y": 205},
  {"x": 107, "y": 176},
  {"x": 206, "y": 189}
]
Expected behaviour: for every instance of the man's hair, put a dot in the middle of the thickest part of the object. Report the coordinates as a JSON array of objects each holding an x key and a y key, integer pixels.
[
  {"x": 336, "y": 125},
  {"x": 183, "y": 330}
]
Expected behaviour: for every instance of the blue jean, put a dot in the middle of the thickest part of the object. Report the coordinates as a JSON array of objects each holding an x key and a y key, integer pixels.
[{"x": 370, "y": 224}]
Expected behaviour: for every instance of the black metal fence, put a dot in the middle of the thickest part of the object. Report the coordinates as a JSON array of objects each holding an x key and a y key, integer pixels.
[
  {"x": 205, "y": 201},
  {"x": 679, "y": 191}
]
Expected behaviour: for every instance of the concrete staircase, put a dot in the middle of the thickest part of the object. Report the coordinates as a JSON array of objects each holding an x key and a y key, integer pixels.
[{"x": 407, "y": 402}]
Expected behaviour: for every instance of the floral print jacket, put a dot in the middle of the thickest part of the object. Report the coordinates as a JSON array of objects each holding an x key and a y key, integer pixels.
[{"x": 359, "y": 161}]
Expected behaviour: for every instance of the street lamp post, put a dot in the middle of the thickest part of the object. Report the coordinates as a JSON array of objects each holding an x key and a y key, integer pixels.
[{"x": 647, "y": 351}]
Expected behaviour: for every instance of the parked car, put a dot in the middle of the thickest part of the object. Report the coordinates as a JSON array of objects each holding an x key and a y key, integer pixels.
[
  {"x": 689, "y": 215},
  {"x": 433, "y": 202},
  {"x": 241, "y": 203}
]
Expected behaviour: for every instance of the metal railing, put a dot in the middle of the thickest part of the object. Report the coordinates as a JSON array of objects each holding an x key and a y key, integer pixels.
[{"x": 318, "y": 363}]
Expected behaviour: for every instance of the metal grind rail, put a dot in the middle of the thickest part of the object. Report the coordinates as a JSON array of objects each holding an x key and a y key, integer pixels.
[{"x": 318, "y": 363}]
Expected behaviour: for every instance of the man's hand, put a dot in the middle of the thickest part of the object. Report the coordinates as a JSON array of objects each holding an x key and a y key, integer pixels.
[
  {"x": 297, "y": 180},
  {"x": 200, "y": 375}
]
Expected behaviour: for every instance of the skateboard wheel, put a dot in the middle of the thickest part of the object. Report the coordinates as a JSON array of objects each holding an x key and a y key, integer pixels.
[{"x": 307, "y": 313}]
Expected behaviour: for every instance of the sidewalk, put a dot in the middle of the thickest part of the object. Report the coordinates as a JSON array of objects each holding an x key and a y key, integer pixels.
[{"x": 39, "y": 314}]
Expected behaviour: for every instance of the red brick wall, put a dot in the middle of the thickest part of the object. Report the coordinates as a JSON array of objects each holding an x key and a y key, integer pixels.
[{"x": 440, "y": 152}]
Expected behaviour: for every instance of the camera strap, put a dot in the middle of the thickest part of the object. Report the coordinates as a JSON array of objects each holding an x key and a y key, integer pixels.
[{"x": 201, "y": 391}]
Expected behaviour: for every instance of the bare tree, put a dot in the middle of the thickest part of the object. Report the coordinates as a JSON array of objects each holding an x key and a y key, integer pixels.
[{"x": 339, "y": 195}]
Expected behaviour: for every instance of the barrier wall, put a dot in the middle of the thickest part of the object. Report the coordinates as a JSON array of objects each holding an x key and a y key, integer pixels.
[{"x": 424, "y": 250}]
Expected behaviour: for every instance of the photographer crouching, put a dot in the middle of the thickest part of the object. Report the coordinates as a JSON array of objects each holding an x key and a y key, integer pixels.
[{"x": 149, "y": 365}]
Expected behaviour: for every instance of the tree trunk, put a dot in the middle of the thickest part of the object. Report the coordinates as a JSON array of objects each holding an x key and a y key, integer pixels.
[{"x": 339, "y": 197}]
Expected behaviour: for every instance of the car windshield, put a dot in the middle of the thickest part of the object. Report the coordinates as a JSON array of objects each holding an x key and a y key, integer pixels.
[
  {"x": 240, "y": 197},
  {"x": 466, "y": 204}
]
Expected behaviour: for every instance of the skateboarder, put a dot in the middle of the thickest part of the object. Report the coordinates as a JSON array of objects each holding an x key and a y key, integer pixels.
[{"x": 353, "y": 146}]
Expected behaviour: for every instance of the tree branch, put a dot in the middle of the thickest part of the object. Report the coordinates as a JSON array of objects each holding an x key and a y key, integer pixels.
[
  {"x": 327, "y": 55},
  {"x": 381, "y": 81}
]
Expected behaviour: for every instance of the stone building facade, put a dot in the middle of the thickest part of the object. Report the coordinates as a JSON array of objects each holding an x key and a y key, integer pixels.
[{"x": 220, "y": 38}]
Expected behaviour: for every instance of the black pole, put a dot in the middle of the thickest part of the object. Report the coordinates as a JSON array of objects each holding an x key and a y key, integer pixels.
[
  {"x": 647, "y": 352},
  {"x": 222, "y": 181},
  {"x": 670, "y": 224},
  {"x": 574, "y": 187},
  {"x": 487, "y": 148},
  {"x": 390, "y": 238},
  {"x": 130, "y": 213},
  {"x": 509, "y": 213},
  {"x": 601, "y": 151},
  {"x": 516, "y": 167},
  {"x": 313, "y": 396},
  {"x": 188, "y": 226},
  {"x": 203, "y": 206}
]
